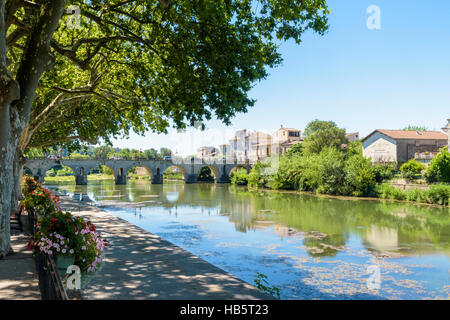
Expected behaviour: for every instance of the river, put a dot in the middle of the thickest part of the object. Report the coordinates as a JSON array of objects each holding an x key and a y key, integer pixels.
[{"x": 309, "y": 247}]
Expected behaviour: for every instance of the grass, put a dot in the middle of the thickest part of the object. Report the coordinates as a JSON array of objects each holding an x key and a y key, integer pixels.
[
  {"x": 437, "y": 194},
  {"x": 59, "y": 179},
  {"x": 100, "y": 176},
  {"x": 173, "y": 176},
  {"x": 70, "y": 179}
]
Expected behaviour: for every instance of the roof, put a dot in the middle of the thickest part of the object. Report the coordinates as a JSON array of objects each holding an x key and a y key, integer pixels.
[
  {"x": 289, "y": 129},
  {"x": 413, "y": 135}
]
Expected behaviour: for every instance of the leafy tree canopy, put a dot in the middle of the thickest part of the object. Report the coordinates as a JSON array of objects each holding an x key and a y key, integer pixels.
[
  {"x": 145, "y": 65},
  {"x": 415, "y": 128},
  {"x": 321, "y": 134}
]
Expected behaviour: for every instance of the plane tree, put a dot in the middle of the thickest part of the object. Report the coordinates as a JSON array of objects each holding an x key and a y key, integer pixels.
[{"x": 130, "y": 65}]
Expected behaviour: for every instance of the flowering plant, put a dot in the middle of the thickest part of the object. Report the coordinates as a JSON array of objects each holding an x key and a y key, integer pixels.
[
  {"x": 28, "y": 185},
  {"x": 37, "y": 198},
  {"x": 60, "y": 233}
]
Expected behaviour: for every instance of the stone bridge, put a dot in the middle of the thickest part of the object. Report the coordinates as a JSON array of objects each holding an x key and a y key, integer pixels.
[{"x": 156, "y": 168}]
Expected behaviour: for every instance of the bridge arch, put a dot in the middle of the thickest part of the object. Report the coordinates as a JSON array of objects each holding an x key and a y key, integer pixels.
[
  {"x": 96, "y": 169},
  {"x": 150, "y": 171},
  {"x": 188, "y": 171},
  {"x": 44, "y": 171},
  {"x": 178, "y": 168},
  {"x": 214, "y": 171},
  {"x": 237, "y": 167}
]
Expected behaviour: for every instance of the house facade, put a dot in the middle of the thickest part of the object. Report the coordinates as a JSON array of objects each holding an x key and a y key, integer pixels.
[
  {"x": 400, "y": 146},
  {"x": 285, "y": 138},
  {"x": 253, "y": 146},
  {"x": 207, "y": 152},
  {"x": 352, "y": 136},
  {"x": 260, "y": 146}
]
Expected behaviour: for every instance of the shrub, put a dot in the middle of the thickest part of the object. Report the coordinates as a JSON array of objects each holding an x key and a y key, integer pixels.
[
  {"x": 205, "y": 174},
  {"x": 411, "y": 168},
  {"x": 289, "y": 174},
  {"x": 439, "y": 168},
  {"x": 384, "y": 171},
  {"x": 386, "y": 191},
  {"x": 256, "y": 178},
  {"x": 439, "y": 194},
  {"x": 325, "y": 172},
  {"x": 239, "y": 177},
  {"x": 359, "y": 175},
  {"x": 417, "y": 195}
]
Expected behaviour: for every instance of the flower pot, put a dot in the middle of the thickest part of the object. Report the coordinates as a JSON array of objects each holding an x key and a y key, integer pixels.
[{"x": 64, "y": 261}]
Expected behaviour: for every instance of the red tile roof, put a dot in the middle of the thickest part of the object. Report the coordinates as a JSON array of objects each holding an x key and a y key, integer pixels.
[{"x": 414, "y": 135}]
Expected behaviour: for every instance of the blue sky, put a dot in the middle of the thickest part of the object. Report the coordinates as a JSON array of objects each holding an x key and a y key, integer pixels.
[{"x": 362, "y": 79}]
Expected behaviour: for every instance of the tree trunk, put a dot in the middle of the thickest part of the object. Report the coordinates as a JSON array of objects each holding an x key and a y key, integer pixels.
[
  {"x": 9, "y": 92},
  {"x": 5, "y": 189},
  {"x": 16, "y": 194},
  {"x": 35, "y": 60}
]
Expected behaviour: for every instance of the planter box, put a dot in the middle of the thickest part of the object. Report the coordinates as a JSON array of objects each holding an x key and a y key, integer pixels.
[{"x": 63, "y": 262}]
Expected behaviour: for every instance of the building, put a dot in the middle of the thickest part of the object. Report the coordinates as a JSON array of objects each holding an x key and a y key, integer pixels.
[
  {"x": 285, "y": 138},
  {"x": 260, "y": 146},
  {"x": 447, "y": 131},
  {"x": 400, "y": 146},
  {"x": 225, "y": 152},
  {"x": 352, "y": 136},
  {"x": 253, "y": 146},
  {"x": 207, "y": 152}
]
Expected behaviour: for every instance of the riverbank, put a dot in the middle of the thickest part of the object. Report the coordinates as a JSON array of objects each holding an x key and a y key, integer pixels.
[
  {"x": 141, "y": 265},
  {"x": 71, "y": 179},
  {"x": 347, "y": 198},
  {"x": 397, "y": 195}
]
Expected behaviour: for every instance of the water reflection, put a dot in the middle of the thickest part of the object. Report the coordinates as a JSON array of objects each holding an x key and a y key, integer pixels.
[{"x": 285, "y": 235}]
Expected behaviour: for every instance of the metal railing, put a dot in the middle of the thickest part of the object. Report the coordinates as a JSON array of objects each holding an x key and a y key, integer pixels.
[{"x": 50, "y": 283}]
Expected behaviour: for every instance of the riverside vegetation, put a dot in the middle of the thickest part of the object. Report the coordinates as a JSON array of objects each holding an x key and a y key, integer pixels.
[{"x": 326, "y": 163}]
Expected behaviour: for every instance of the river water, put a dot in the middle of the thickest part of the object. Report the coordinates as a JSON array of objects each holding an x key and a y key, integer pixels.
[{"x": 309, "y": 247}]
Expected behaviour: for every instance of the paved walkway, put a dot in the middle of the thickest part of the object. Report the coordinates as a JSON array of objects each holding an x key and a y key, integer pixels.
[
  {"x": 18, "y": 277},
  {"x": 141, "y": 265}
]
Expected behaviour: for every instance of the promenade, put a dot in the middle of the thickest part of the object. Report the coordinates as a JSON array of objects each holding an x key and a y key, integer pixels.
[
  {"x": 18, "y": 277},
  {"x": 141, "y": 265}
]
